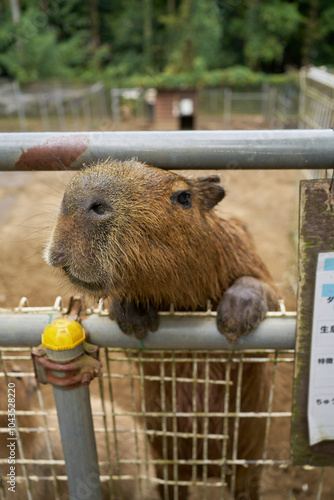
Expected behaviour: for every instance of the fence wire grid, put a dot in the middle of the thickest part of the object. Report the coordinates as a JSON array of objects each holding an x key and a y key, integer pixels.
[
  {"x": 316, "y": 106},
  {"x": 143, "y": 426}
]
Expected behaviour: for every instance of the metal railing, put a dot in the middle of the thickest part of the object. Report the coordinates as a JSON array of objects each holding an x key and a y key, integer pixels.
[
  {"x": 202, "y": 150},
  {"x": 177, "y": 330},
  {"x": 125, "y": 432}
]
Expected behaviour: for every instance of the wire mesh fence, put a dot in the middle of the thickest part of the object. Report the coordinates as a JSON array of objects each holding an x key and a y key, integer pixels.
[
  {"x": 316, "y": 107},
  {"x": 214, "y": 424},
  {"x": 55, "y": 107},
  {"x": 227, "y": 102},
  {"x": 40, "y": 469}
]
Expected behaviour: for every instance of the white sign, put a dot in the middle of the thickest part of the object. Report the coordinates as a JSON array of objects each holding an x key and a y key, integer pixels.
[
  {"x": 321, "y": 383},
  {"x": 186, "y": 107}
]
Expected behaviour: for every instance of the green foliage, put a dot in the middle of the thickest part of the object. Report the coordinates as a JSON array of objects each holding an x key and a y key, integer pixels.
[
  {"x": 158, "y": 43},
  {"x": 193, "y": 36},
  {"x": 267, "y": 32},
  {"x": 31, "y": 49},
  {"x": 323, "y": 52},
  {"x": 236, "y": 76}
]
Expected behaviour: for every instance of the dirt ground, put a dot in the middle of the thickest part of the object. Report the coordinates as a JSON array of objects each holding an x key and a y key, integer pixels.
[{"x": 266, "y": 200}]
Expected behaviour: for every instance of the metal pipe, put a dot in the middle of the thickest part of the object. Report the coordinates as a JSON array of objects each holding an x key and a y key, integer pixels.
[
  {"x": 23, "y": 329},
  {"x": 240, "y": 149},
  {"x": 78, "y": 441},
  {"x": 191, "y": 332},
  {"x": 63, "y": 341},
  {"x": 178, "y": 331}
]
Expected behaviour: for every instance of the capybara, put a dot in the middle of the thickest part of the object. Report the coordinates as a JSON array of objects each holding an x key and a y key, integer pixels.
[{"x": 146, "y": 238}]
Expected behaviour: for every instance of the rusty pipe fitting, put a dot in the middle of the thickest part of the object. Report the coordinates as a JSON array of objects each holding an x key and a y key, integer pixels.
[{"x": 65, "y": 359}]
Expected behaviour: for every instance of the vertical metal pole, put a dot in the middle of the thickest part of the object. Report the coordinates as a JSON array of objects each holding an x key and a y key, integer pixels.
[
  {"x": 58, "y": 99},
  {"x": 227, "y": 106},
  {"x": 116, "y": 115},
  {"x": 78, "y": 440},
  {"x": 143, "y": 105},
  {"x": 271, "y": 111},
  {"x": 63, "y": 356},
  {"x": 86, "y": 112},
  {"x": 264, "y": 98},
  {"x": 104, "y": 103},
  {"x": 76, "y": 125},
  {"x": 43, "y": 107},
  {"x": 19, "y": 106},
  {"x": 302, "y": 99}
]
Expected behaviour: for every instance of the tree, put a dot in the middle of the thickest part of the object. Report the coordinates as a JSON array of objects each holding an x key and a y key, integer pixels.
[
  {"x": 147, "y": 32},
  {"x": 193, "y": 35},
  {"x": 15, "y": 9},
  {"x": 32, "y": 48},
  {"x": 183, "y": 40},
  {"x": 317, "y": 33},
  {"x": 268, "y": 28}
]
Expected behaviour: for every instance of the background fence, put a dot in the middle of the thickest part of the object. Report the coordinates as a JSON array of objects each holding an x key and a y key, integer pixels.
[
  {"x": 278, "y": 106},
  {"x": 316, "y": 104},
  {"x": 62, "y": 108},
  {"x": 54, "y": 107}
]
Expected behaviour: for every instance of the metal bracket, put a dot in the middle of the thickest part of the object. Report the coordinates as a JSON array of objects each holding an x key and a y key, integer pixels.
[
  {"x": 76, "y": 307},
  {"x": 79, "y": 371}
]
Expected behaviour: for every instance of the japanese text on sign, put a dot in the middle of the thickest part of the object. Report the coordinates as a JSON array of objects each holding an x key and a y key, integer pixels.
[{"x": 321, "y": 383}]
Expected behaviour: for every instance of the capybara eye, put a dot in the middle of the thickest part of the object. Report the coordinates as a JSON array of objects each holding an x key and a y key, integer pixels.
[
  {"x": 99, "y": 208},
  {"x": 182, "y": 198}
]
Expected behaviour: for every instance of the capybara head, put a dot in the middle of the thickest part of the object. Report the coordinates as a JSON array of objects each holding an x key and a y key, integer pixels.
[{"x": 132, "y": 231}]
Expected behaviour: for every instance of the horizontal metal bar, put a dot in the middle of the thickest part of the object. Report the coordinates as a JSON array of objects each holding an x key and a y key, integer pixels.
[
  {"x": 175, "y": 332},
  {"x": 23, "y": 330},
  {"x": 241, "y": 149}
]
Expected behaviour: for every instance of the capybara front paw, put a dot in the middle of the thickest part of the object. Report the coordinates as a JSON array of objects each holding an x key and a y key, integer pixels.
[
  {"x": 240, "y": 311},
  {"x": 133, "y": 318}
]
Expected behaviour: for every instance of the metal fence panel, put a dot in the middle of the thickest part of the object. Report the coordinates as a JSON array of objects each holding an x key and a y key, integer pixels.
[
  {"x": 127, "y": 425},
  {"x": 316, "y": 109}
]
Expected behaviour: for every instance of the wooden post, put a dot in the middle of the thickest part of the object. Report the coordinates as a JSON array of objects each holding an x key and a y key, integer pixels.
[{"x": 316, "y": 234}]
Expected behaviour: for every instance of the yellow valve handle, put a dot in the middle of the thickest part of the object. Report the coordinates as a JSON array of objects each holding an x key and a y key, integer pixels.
[{"x": 63, "y": 334}]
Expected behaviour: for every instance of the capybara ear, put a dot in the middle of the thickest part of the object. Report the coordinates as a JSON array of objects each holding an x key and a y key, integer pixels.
[{"x": 210, "y": 191}]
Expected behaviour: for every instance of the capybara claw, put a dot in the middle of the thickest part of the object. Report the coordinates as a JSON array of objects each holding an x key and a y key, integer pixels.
[
  {"x": 133, "y": 318},
  {"x": 140, "y": 334},
  {"x": 241, "y": 309}
]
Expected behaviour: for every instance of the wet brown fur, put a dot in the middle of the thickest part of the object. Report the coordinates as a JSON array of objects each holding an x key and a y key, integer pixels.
[
  {"x": 179, "y": 256},
  {"x": 152, "y": 250}
]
